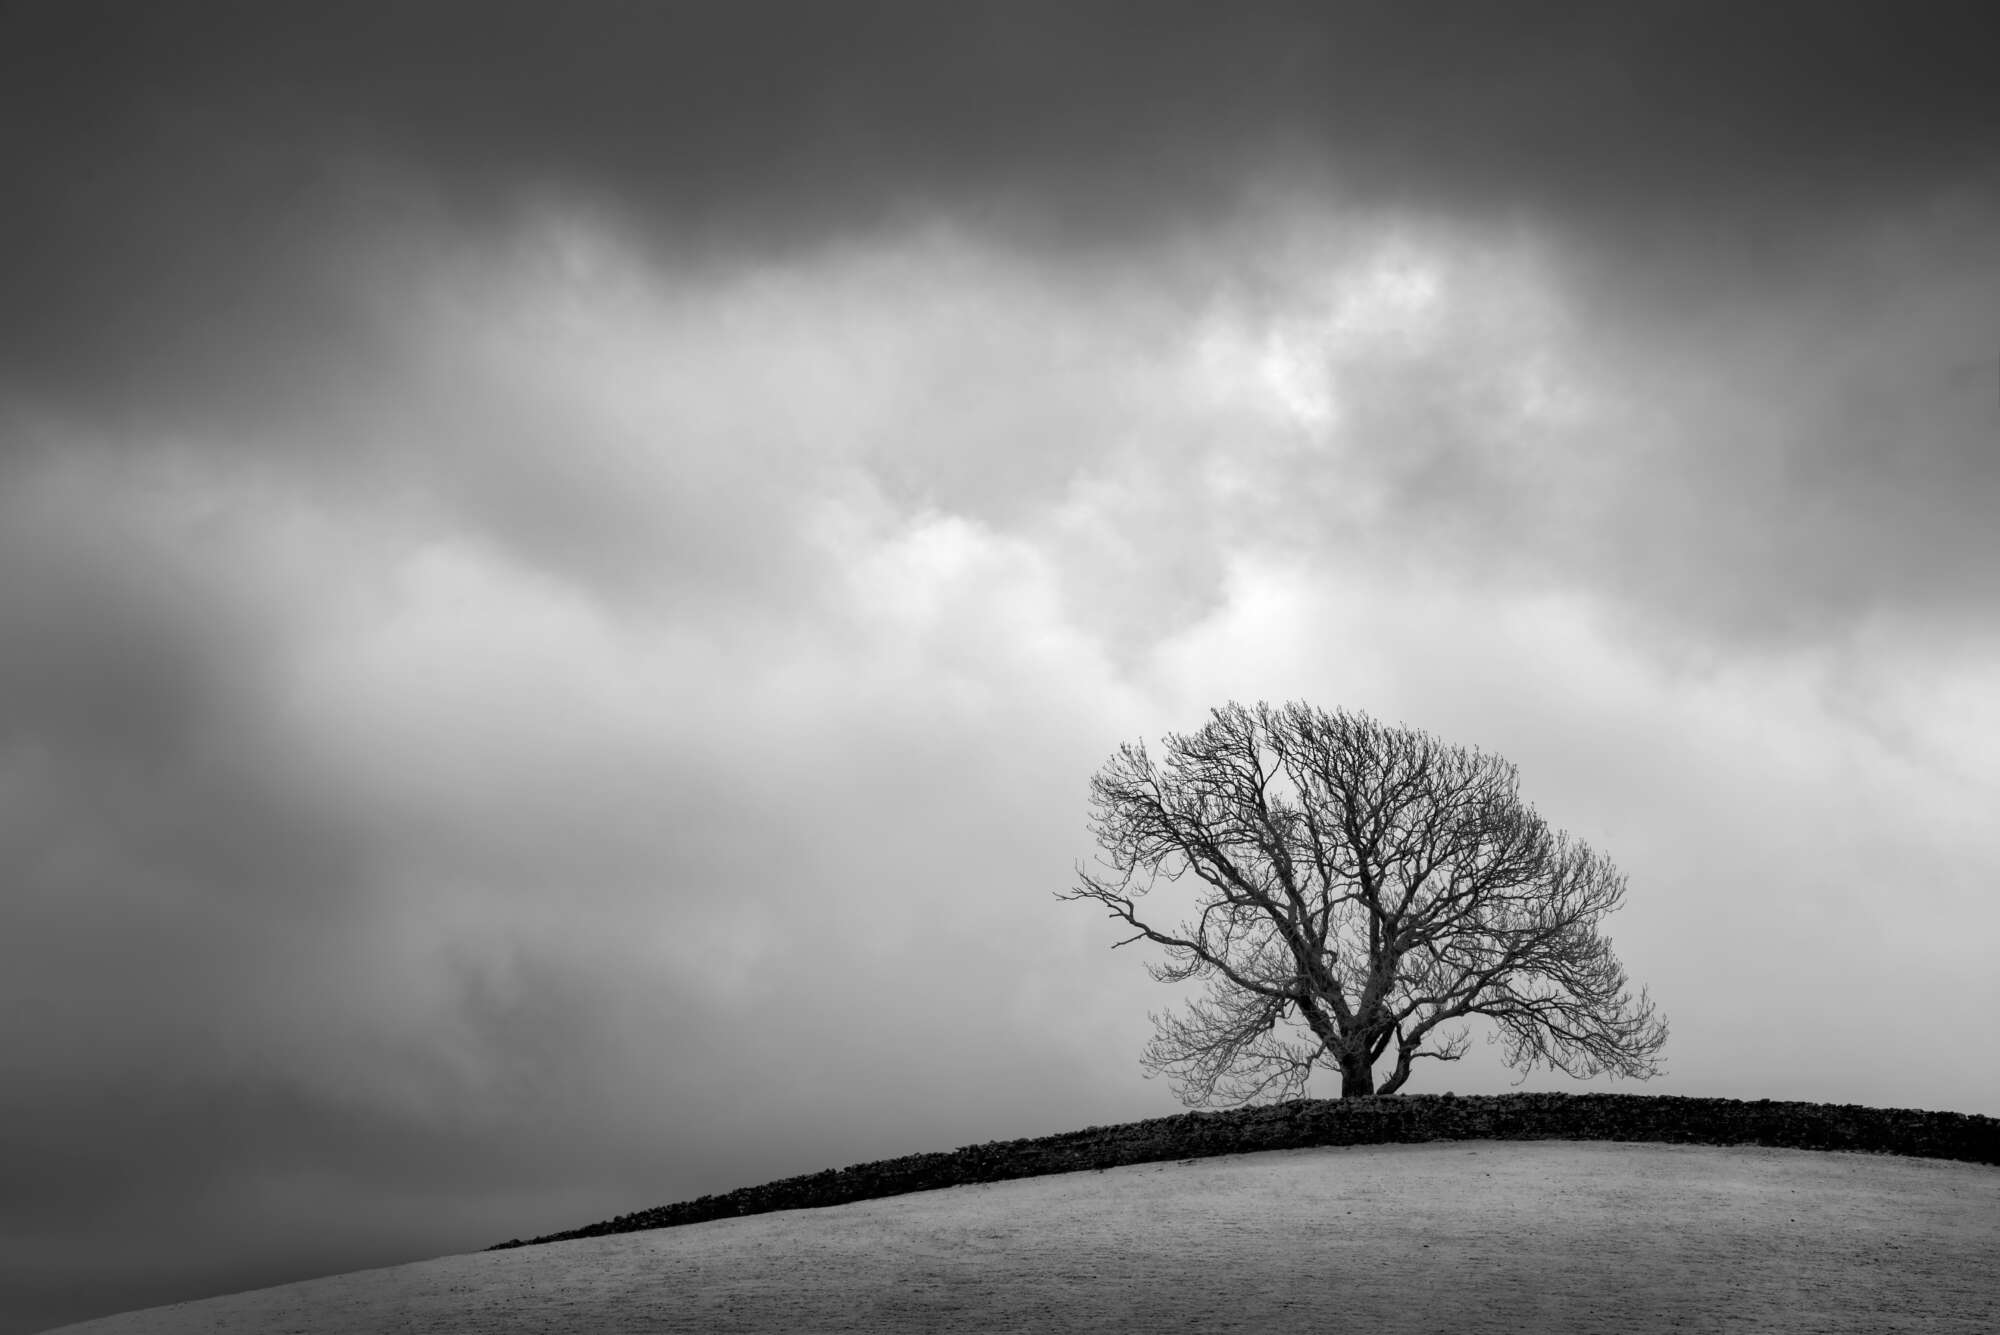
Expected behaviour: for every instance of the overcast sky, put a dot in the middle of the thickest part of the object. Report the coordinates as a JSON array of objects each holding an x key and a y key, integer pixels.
[{"x": 563, "y": 575}]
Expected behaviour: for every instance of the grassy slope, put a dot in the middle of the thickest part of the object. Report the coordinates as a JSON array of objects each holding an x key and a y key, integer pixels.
[{"x": 1314, "y": 1122}]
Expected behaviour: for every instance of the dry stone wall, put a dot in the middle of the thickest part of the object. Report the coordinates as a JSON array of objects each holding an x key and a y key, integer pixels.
[{"x": 1368, "y": 1121}]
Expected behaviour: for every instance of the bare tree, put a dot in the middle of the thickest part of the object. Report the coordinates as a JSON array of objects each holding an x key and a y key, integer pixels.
[{"x": 1363, "y": 891}]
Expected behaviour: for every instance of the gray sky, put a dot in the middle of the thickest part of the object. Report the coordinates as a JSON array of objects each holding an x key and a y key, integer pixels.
[{"x": 562, "y": 577}]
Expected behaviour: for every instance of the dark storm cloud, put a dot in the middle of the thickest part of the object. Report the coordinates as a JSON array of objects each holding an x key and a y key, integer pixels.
[
  {"x": 726, "y": 107},
  {"x": 168, "y": 163},
  {"x": 194, "y": 184}
]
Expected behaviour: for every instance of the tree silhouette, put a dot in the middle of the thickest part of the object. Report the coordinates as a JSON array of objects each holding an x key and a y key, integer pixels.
[{"x": 1363, "y": 891}]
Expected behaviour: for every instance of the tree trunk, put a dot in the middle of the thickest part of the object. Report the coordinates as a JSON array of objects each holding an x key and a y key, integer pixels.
[
  {"x": 1402, "y": 1072},
  {"x": 1357, "y": 1077}
]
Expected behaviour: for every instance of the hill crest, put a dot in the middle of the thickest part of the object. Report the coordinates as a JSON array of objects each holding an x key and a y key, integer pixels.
[{"x": 1305, "y": 1123}]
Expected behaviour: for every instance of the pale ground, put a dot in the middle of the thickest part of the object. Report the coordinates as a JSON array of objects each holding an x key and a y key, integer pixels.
[{"x": 1460, "y": 1236}]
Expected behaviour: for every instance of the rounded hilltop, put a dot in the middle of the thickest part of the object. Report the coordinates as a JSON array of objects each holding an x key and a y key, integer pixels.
[{"x": 1309, "y": 1123}]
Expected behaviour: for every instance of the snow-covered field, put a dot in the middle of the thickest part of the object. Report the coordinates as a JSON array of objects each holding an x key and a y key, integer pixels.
[{"x": 1461, "y": 1236}]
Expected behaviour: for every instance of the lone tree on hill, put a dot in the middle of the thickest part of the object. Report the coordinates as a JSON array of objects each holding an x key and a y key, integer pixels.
[{"x": 1362, "y": 888}]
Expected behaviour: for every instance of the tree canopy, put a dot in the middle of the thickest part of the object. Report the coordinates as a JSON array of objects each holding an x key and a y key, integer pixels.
[{"x": 1361, "y": 893}]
